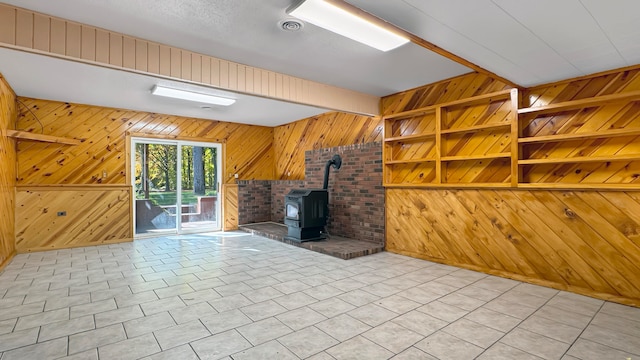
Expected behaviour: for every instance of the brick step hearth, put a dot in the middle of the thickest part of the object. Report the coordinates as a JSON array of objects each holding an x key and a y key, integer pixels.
[{"x": 336, "y": 246}]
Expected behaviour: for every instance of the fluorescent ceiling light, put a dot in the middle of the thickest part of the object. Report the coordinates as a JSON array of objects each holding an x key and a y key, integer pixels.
[
  {"x": 191, "y": 96},
  {"x": 331, "y": 17}
]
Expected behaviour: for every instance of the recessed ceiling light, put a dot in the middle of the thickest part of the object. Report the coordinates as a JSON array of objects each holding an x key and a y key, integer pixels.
[
  {"x": 334, "y": 18},
  {"x": 191, "y": 96}
]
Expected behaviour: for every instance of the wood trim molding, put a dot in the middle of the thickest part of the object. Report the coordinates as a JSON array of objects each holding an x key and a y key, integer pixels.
[{"x": 33, "y": 32}]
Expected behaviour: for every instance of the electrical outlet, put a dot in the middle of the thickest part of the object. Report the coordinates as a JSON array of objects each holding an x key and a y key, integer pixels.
[
  {"x": 62, "y": 213},
  {"x": 104, "y": 174},
  {"x": 236, "y": 176}
]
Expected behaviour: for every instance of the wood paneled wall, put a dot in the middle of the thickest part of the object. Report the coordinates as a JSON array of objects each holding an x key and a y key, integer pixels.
[
  {"x": 94, "y": 215},
  {"x": 583, "y": 241},
  {"x": 230, "y": 194},
  {"x": 323, "y": 131},
  {"x": 459, "y": 87},
  {"x": 8, "y": 115},
  {"x": 248, "y": 149},
  {"x": 31, "y": 31},
  {"x": 248, "y": 152},
  {"x": 614, "y": 116}
]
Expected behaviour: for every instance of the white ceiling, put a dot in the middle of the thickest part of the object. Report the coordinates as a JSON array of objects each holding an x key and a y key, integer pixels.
[
  {"x": 31, "y": 75},
  {"x": 526, "y": 42}
]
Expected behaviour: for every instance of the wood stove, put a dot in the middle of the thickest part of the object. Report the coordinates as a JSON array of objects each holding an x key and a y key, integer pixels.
[
  {"x": 306, "y": 210},
  {"x": 306, "y": 214}
]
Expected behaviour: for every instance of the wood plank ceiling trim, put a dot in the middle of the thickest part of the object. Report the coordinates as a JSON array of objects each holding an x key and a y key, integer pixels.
[{"x": 33, "y": 32}]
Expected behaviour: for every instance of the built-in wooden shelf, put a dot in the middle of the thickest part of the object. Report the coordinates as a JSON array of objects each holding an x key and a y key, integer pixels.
[
  {"x": 591, "y": 135},
  {"x": 580, "y": 159},
  {"x": 407, "y": 138},
  {"x": 450, "y": 185},
  {"x": 409, "y": 161},
  {"x": 582, "y": 186},
  {"x": 410, "y": 113},
  {"x": 29, "y": 136},
  {"x": 582, "y": 103},
  {"x": 512, "y": 121},
  {"x": 475, "y": 157},
  {"x": 476, "y": 128}
]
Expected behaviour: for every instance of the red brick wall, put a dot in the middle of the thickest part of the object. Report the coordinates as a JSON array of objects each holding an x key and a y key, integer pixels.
[
  {"x": 280, "y": 188},
  {"x": 254, "y": 201},
  {"x": 356, "y": 195}
]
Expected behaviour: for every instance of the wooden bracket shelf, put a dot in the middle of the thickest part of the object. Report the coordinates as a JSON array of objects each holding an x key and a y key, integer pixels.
[
  {"x": 475, "y": 157},
  {"x": 29, "y": 136},
  {"x": 592, "y": 135},
  {"x": 409, "y": 161},
  {"x": 450, "y": 185},
  {"x": 579, "y": 159},
  {"x": 476, "y": 128},
  {"x": 582, "y": 103},
  {"x": 416, "y": 137}
]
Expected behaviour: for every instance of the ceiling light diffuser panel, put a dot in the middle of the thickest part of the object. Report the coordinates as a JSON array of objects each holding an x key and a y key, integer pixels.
[
  {"x": 333, "y": 18},
  {"x": 191, "y": 96}
]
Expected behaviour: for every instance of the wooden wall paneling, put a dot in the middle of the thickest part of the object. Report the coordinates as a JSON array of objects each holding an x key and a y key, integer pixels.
[
  {"x": 102, "y": 46},
  {"x": 94, "y": 216},
  {"x": 129, "y": 52},
  {"x": 8, "y": 25},
  {"x": 597, "y": 251},
  {"x": 142, "y": 56},
  {"x": 58, "y": 37},
  {"x": 73, "y": 40},
  {"x": 88, "y": 45},
  {"x": 103, "y": 131},
  {"x": 327, "y": 130},
  {"x": 24, "y": 28},
  {"x": 581, "y": 241},
  {"x": 459, "y": 87},
  {"x": 8, "y": 114},
  {"x": 41, "y": 32},
  {"x": 230, "y": 193},
  {"x": 85, "y": 43}
]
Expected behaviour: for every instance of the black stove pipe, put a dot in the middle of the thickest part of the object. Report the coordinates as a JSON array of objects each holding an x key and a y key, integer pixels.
[{"x": 336, "y": 162}]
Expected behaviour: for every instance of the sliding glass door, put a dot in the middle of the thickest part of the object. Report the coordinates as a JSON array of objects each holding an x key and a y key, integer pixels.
[{"x": 176, "y": 185}]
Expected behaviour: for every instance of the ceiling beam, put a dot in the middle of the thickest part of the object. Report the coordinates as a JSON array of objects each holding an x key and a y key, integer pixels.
[
  {"x": 418, "y": 40},
  {"x": 30, "y": 31}
]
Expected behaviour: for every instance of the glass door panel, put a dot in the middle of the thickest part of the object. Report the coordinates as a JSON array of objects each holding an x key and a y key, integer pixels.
[
  {"x": 176, "y": 186},
  {"x": 200, "y": 205},
  {"x": 155, "y": 186}
]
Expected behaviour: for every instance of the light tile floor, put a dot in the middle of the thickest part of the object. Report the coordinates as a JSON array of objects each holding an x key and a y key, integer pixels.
[{"x": 238, "y": 296}]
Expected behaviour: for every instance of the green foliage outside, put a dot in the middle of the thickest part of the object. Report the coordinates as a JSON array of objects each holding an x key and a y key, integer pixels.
[{"x": 161, "y": 176}]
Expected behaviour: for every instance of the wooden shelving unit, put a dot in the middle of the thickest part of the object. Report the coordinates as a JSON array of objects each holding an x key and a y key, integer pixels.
[
  {"x": 457, "y": 144},
  {"x": 29, "y": 136},
  {"x": 489, "y": 141}
]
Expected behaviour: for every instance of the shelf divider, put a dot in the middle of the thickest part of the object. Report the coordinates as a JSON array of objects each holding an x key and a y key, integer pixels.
[{"x": 29, "y": 136}]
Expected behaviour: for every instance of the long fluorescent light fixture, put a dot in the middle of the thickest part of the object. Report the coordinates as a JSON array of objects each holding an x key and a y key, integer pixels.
[
  {"x": 331, "y": 17},
  {"x": 191, "y": 96}
]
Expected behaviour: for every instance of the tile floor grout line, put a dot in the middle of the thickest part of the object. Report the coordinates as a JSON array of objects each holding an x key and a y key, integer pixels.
[{"x": 585, "y": 329}]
